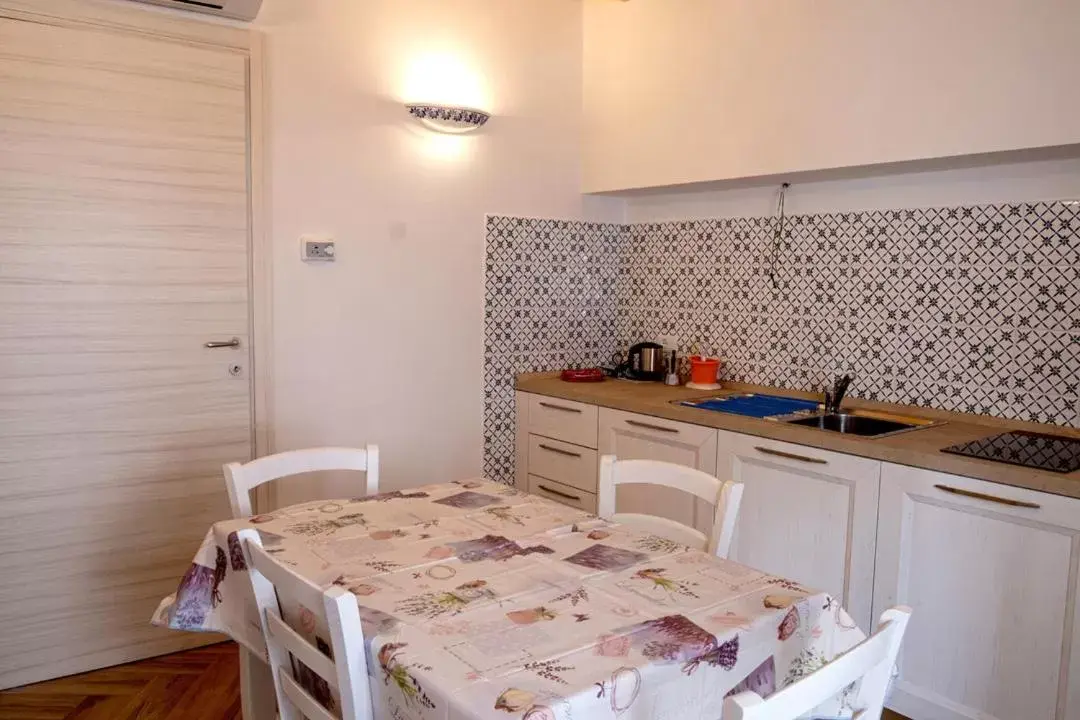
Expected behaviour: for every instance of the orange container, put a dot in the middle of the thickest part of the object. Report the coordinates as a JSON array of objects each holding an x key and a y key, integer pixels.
[{"x": 704, "y": 370}]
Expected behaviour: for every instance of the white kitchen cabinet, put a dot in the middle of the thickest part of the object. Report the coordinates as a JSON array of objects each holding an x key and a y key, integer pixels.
[
  {"x": 556, "y": 449},
  {"x": 630, "y": 436},
  {"x": 993, "y": 587},
  {"x": 855, "y": 93},
  {"x": 807, "y": 514}
]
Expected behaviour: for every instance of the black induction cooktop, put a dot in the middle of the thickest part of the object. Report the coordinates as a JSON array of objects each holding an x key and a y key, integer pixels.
[{"x": 1045, "y": 452}]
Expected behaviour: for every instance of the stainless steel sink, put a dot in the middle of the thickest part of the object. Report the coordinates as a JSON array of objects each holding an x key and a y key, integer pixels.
[{"x": 862, "y": 423}]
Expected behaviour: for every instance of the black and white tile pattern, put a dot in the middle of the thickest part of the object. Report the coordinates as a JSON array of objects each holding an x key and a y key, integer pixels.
[
  {"x": 975, "y": 309},
  {"x": 549, "y": 304}
]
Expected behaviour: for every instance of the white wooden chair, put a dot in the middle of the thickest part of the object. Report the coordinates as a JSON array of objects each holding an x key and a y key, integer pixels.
[
  {"x": 241, "y": 479},
  {"x": 725, "y": 498},
  {"x": 871, "y": 660},
  {"x": 335, "y": 609}
]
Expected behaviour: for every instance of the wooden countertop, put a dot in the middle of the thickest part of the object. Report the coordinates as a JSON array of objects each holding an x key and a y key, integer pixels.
[{"x": 917, "y": 448}]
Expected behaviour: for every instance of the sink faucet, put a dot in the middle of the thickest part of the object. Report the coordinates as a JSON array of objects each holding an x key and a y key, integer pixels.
[{"x": 834, "y": 397}]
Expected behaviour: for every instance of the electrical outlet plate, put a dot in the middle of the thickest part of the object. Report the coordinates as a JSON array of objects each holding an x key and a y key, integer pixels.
[
  {"x": 670, "y": 342},
  {"x": 314, "y": 248}
]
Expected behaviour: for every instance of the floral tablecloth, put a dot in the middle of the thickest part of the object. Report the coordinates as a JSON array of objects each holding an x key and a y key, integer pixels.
[{"x": 482, "y": 602}]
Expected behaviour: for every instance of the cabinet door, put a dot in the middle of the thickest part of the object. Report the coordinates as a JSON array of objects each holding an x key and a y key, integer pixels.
[
  {"x": 806, "y": 514},
  {"x": 993, "y": 589},
  {"x": 642, "y": 437}
]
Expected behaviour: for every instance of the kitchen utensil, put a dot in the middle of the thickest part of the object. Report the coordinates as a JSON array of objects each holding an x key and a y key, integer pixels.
[{"x": 672, "y": 370}]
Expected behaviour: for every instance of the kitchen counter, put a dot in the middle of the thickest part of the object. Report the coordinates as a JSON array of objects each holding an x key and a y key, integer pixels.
[{"x": 917, "y": 448}]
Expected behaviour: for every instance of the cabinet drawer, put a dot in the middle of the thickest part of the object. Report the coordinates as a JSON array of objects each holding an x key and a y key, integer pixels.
[
  {"x": 800, "y": 457},
  {"x": 564, "y": 494},
  {"x": 566, "y": 420},
  {"x": 667, "y": 431},
  {"x": 566, "y": 463}
]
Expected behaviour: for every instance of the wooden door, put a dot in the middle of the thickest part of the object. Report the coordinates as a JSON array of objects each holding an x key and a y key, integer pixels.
[
  {"x": 992, "y": 587},
  {"x": 806, "y": 514},
  {"x": 123, "y": 249},
  {"x": 630, "y": 436}
]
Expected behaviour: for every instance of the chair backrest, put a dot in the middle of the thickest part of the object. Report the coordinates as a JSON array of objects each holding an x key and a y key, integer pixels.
[
  {"x": 725, "y": 497},
  {"x": 241, "y": 479},
  {"x": 871, "y": 660},
  {"x": 335, "y": 609}
]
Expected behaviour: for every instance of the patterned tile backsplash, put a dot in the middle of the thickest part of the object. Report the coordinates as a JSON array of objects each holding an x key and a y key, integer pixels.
[
  {"x": 549, "y": 302},
  {"x": 974, "y": 309}
]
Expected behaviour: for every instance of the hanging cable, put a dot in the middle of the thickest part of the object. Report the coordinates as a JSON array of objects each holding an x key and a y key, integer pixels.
[{"x": 778, "y": 236}]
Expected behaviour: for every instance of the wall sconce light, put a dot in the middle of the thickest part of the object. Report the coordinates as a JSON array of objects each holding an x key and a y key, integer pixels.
[{"x": 448, "y": 119}]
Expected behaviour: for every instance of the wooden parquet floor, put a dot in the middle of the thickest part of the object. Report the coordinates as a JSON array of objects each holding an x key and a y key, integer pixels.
[{"x": 200, "y": 684}]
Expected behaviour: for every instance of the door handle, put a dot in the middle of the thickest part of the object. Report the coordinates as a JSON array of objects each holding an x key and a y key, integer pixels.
[
  {"x": 650, "y": 426},
  {"x": 234, "y": 343},
  {"x": 558, "y": 451},
  {"x": 988, "y": 498},
  {"x": 568, "y": 496},
  {"x": 560, "y": 407},
  {"x": 790, "y": 456}
]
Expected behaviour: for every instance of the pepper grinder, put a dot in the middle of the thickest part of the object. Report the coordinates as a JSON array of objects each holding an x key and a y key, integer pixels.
[{"x": 672, "y": 377}]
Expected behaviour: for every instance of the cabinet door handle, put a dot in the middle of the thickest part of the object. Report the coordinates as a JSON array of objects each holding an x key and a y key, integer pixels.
[
  {"x": 989, "y": 498},
  {"x": 559, "y": 451},
  {"x": 790, "y": 456},
  {"x": 568, "y": 496},
  {"x": 553, "y": 406},
  {"x": 650, "y": 426}
]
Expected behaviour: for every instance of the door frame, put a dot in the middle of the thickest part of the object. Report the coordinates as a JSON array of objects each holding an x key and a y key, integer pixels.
[{"x": 176, "y": 26}]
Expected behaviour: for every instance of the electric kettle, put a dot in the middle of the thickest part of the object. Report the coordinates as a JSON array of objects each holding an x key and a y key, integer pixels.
[{"x": 646, "y": 362}]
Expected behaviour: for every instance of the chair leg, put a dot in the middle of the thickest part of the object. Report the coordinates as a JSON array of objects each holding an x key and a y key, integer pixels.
[{"x": 257, "y": 697}]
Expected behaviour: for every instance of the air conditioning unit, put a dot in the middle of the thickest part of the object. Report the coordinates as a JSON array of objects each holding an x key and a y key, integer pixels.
[{"x": 245, "y": 10}]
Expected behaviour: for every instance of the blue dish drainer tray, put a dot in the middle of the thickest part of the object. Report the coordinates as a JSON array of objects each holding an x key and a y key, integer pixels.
[{"x": 759, "y": 406}]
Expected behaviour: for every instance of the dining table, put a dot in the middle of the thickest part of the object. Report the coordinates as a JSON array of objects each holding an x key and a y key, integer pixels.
[{"x": 481, "y": 602}]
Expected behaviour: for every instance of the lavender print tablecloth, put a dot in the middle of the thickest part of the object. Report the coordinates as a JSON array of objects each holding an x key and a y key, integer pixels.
[{"x": 481, "y": 602}]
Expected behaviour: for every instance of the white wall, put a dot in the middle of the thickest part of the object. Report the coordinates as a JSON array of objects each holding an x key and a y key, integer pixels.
[
  {"x": 385, "y": 345},
  {"x": 1057, "y": 179},
  {"x": 681, "y": 91}
]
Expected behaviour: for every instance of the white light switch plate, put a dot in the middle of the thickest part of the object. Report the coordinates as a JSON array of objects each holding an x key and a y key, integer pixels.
[{"x": 317, "y": 248}]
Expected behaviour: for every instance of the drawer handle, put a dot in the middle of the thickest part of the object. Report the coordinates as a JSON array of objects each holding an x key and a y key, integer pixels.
[
  {"x": 790, "y": 456},
  {"x": 649, "y": 426},
  {"x": 559, "y": 451},
  {"x": 568, "y": 496},
  {"x": 990, "y": 498},
  {"x": 553, "y": 406}
]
